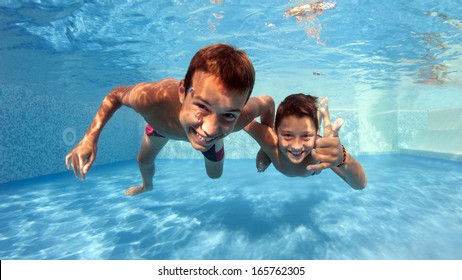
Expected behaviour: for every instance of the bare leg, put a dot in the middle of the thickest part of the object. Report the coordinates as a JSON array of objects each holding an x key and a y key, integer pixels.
[{"x": 150, "y": 148}]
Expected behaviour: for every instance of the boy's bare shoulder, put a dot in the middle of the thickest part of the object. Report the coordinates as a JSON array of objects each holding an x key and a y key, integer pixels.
[
  {"x": 145, "y": 95},
  {"x": 168, "y": 84}
]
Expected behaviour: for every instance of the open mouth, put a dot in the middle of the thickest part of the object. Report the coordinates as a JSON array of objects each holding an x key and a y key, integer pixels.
[
  {"x": 296, "y": 154},
  {"x": 204, "y": 140}
]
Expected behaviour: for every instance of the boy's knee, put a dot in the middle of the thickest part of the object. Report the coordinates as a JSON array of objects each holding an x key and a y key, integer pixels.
[
  {"x": 214, "y": 176},
  {"x": 144, "y": 160}
]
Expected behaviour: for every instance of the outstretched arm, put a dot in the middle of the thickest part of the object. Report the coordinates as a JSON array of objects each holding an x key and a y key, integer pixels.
[
  {"x": 262, "y": 106},
  {"x": 258, "y": 106},
  {"x": 351, "y": 172},
  {"x": 84, "y": 153},
  {"x": 263, "y": 134},
  {"x": 332, "y": 154},
  {"x": 267, "y": 139}
]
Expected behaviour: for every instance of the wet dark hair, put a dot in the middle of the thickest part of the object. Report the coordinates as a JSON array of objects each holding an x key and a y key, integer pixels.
[
  {"x": 298, "y": 105},
  {"x": 232, "y": 66}
]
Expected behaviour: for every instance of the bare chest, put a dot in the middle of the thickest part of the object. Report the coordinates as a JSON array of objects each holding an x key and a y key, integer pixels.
[{"x": 290, "y": 169}]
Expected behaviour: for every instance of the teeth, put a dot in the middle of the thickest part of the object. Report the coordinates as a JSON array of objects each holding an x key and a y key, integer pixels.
[
  {"x": 296, "y": 153},
  {"x": 205, "y": 139}
]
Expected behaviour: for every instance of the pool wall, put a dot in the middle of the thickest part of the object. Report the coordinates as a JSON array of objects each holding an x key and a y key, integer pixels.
[
  {"x": 39, "y": 129},
  {"x": 423, "y": 120},
  {"x": 49, "y": 98}
]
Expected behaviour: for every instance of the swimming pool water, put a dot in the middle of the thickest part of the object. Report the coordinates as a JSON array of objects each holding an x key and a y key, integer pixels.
[
  {"x": 391, "y": 69},
  {"x": 411, "y": 209}
]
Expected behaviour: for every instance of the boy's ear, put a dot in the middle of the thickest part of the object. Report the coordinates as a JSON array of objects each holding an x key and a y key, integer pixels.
[{"x": 181, "y": 91}]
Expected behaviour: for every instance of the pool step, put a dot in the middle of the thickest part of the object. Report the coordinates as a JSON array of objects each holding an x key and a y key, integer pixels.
[
  {"x": 445, "y": 119},
  {"x": 437, "y": 140}
]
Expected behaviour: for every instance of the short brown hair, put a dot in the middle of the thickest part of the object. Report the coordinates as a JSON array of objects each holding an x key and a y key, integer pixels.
[
  {"x": 232, "y": 66},
  {"x": 298, "y": 105}
]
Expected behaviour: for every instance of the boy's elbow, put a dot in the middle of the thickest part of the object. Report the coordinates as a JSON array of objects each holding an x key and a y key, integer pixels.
[
  {"x": 269, "y": 105},
  {"x": 360, "y": 186}
]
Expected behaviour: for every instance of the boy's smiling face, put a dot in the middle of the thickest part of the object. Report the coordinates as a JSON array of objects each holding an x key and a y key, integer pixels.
[
  {"x": 209, "y": 111},
  {"x": 296, "y": 138}
]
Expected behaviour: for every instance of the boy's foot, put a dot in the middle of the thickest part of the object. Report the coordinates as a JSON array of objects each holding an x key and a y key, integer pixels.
[
  {"x": 136, "y": 190},
  {"x": 263, "y": 161}
]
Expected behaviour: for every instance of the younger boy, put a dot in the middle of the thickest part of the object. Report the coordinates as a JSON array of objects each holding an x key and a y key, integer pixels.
[
  {"x": 295, "y": 148},
  {"x": 202, "y": 109}
]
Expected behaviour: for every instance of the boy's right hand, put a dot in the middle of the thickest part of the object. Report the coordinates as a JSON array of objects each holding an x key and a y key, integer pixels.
[
  {"x": 328, "y": 149},
  {"x": 81, "y": 158}
]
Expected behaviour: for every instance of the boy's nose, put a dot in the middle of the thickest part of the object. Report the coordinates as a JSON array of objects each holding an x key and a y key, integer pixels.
[
  {"x": 210, "y": 125},
  {"x": 297, "y": 145}
]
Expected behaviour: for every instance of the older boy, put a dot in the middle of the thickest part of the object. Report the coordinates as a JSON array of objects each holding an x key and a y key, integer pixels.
[
  {"x": 295, "y": 148},
  {"x": 202, "y": 109}
]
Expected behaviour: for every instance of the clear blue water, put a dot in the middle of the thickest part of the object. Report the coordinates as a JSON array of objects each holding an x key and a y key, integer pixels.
[
  {"x": 411, "y": 209},
  {"x": 392, "y": 69},
  {"x": 361, "y": 46}
]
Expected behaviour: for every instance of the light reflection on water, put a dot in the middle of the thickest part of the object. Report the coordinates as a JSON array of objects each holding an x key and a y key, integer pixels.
[{"x": 409, "y": 211}]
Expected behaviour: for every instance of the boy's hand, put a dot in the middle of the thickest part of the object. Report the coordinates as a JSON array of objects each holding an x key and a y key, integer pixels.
[
  {"x": 328, "y": 150},
  {"x": 81, "y": 158}
]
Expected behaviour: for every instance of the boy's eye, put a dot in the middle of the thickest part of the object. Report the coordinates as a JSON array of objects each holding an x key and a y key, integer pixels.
[
  {"x": 230, "y": 117},
  {"x": 287, "y": 136},
  {"x": 202, "y": 107}
]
